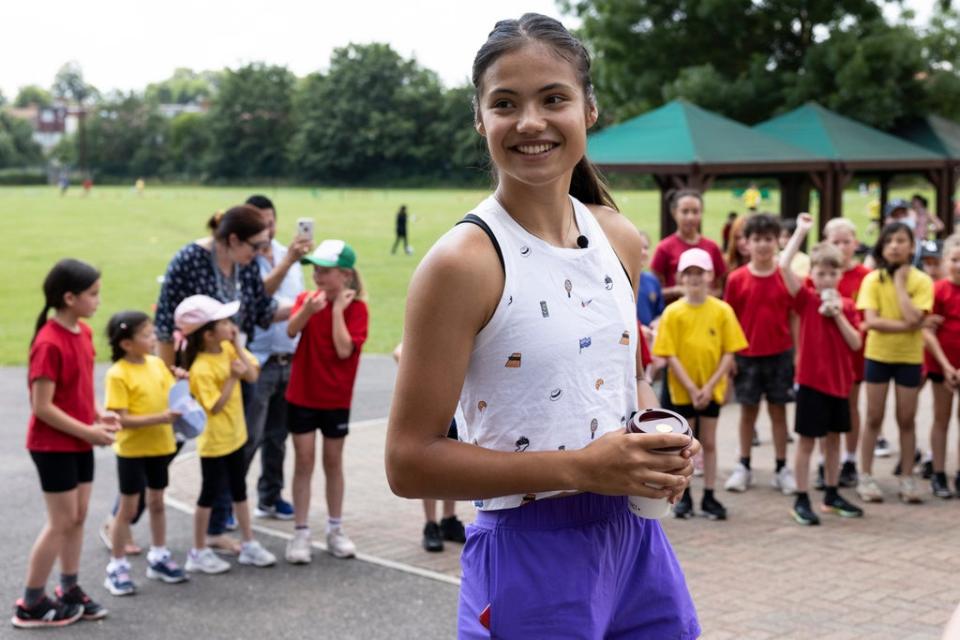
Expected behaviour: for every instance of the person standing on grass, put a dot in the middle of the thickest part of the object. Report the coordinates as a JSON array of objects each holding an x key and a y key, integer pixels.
[
  {"x": 894, "y": 300},
  {"x": 401, "y": 229},
  {"x": 265, "y": 406},
  {"x": 537, "y": 342},
  {"x": 829, "y": 339},
  {"x": 942, "y": 361},
  {"x": 699, "y": 334},
  {"x": 764, "y": 369},
  {"x": 332, "y": 323},
  {"x": 65, "y": 424},
  {"x": 137, "y": 388},
  {"x": 220, "y": 266},
  {"x": 686, "y": 207}
]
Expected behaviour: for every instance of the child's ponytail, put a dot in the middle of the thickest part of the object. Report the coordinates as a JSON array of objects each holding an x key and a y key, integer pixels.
[{"x": 67, "y": 276}]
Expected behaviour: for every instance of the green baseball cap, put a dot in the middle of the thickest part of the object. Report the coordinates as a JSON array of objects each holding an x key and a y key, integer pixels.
[{"x": 332, "y": 253}]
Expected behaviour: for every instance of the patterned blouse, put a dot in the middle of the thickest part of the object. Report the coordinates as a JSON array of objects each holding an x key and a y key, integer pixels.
[{"x": 192, "y": 272}]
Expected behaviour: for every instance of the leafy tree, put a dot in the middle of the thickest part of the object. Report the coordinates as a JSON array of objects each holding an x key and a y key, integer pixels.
[
  {"x": 17, "y": 147},
  {"x": 69, "y": 86},
  {"x": 185, "y": 86},
  {"x": 187, "y": 141},
  {"x": 126, "y": 137},
  {"x": 250, "y": 122},
  {"x": 33, "y": 95}
]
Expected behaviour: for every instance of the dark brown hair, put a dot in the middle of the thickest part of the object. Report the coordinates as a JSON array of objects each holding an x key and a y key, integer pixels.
[
  {"x": 242, "y": 221},
  {"x": 679, "y": 194},
  {"x": 587, "y": 184},
  {"x": 123, "y": 325},
  {"x": 194, "y": 344},
  {"x": 762, "y": 224},
  {"x": 67, "y": 276}
]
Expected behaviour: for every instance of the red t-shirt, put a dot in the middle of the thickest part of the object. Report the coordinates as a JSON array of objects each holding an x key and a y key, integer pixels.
[
  {"x": 825, "y": 360},
  {"x": 763, "y": 306},
  {"x": 666, "y": 257},
  {"x": 66, "y": 358},
  {"x": 318, "y": 378},
  {"x": 849, "y": 287},
  {"x": 946, "y": 303},
  {"x": 645, "y": 357}
]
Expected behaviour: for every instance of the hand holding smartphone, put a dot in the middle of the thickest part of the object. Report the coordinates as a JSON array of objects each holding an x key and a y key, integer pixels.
[{"x": 305, "y": 228}]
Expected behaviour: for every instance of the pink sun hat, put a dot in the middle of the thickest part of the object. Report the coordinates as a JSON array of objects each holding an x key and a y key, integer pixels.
[
  {"x": 196, "y": 311},
  {"x": 695, "y": 258}
]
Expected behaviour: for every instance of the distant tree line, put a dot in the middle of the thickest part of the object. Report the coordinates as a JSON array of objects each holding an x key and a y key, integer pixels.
[{"x": 375, "y": 117}]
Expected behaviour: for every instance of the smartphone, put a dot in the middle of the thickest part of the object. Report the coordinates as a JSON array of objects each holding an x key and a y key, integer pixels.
[{"x": 305, "y": 228}]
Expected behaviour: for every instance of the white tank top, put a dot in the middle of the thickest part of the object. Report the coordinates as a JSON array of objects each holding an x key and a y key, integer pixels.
[{"x": 555, "y": 368}]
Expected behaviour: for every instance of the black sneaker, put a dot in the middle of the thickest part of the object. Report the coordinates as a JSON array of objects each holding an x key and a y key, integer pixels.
[
  {"x": 848, "y": 475},
  {"x": 45, "y": 613},
  {"x": 841, "y": 507},
  {"x": 939, "y": 486},
  {"x": 91, "y": 610},
  {"x": 452, "y": 530},
  {"x": 432, "y": 541},
  {"x": 684, "y": 507},
  {"x": 926, "y": 470},
  {"x": 803, "y": 514},
  {"x": 712, "y": 509},
  {"x": 819, "y": 483}
]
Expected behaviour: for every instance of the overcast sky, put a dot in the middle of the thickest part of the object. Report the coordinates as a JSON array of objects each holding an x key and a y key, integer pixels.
[{"x": 126, "y": 45}]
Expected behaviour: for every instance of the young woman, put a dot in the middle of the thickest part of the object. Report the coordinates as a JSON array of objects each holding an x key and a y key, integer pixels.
[
  {"x": 527, "y": 317},
  {"x": 65, "y": 425}
]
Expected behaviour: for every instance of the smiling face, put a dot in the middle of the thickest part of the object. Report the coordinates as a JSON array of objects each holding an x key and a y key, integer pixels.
[
  {"x": 332, "y": 280},
  {"x": 534, "y": 115},
  {"x": 762, "y": 247},
  {"x": 695, "y": 281}
]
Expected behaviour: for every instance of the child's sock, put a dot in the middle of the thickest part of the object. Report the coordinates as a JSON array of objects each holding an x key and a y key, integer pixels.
[
  {"x": 157, "y": 554},
  {"x": 333, "y": 524},
  {"x": 68, "y": 581},
  {"x": 32, "y": 596},
  {"x": 116, "y": 563},
  {"x": 781, "y": 463},
  {"x": 745, "y": 462},
  {"x": 849, "y": 457},
  {"x": 830, "y": 494}
]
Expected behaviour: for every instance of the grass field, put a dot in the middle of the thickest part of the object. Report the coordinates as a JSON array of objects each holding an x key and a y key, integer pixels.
[{"x": 131, "y": 239}]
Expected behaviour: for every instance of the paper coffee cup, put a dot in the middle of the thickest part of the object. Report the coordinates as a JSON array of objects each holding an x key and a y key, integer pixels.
[{"x": 655, "y": 421}]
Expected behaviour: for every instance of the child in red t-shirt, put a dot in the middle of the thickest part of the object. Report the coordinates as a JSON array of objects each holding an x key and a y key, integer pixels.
[
  {"x": 942, "y": 360},
  {"x": 842, "y": 233},
  {"x": 686, "y": 206},
  {"x": 828, "y": 340},
  {"x": 332, "y": 322},
  {"x": 760, "y": 299},
  {"x": 65, "y": 423}
]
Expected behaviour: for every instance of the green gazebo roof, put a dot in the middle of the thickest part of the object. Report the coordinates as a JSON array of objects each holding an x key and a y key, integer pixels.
[
  {"x": 828, "y": 134},
  {"x": 934, "y": 133},
  {"x": 681, "y": 134}
]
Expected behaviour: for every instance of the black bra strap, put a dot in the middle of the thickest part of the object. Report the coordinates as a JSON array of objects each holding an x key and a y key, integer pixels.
[{"x": 473, "y": 218}]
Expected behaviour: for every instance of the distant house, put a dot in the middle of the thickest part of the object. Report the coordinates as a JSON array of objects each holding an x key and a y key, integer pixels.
[{"x": 49, "y": 124}]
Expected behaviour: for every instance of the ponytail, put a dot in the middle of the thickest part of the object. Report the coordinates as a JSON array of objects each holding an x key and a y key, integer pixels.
[
  {"x": 67, "y": 276},
  {"x": 588, "y": 186}
]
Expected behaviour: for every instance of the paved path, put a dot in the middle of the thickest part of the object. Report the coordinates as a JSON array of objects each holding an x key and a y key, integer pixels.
[{"x": 892, "y": 574}]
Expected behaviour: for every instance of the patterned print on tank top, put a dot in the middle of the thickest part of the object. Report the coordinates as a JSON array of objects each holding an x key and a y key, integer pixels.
[{"x": 555, "y": 368}]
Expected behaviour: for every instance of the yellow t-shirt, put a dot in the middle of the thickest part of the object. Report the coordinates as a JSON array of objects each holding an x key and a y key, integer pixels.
[
  {"x": 880, "y": 294},
  {"x": 698, "y": 335},
  {"x": 141, "y": 389},
  {"x": 226, "y": 431}
]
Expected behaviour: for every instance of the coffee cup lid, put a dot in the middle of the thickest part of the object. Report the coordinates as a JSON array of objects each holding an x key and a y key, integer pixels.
[{"x": 658, "y": 421}]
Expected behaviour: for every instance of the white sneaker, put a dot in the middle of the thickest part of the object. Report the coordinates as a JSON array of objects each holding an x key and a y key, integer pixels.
[
  {"x": 339, "y": 545},
  {"x": 206, "y": 561},
  {"x": 868, "y": 489},
  {"x": 909, "y": 492},
  {"x": 785, "y": 482},
  {"x": 740, "y": 480},
  {"x": 882, "y": 449},
  {"x": 253, "y": 553},
  {"x": 298, "y": 548}
]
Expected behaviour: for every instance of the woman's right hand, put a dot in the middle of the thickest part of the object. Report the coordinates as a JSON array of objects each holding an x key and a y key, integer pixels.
[
  {"x": 621, "y": 463},
  {"x": 100, "y": 434}
]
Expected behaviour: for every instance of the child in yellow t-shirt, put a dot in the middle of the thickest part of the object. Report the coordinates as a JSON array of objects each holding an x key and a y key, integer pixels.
[
  {"x": 217, "y": 363},
  {"x": 137, "y": 386},
  {"x": 698, "y": 334}
]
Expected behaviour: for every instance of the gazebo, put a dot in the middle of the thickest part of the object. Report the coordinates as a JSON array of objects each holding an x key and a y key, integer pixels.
[
  {"x": 854, "y": 147},
  {"x": 940, "y": 136},
  {"x": 682, "y": 145}
]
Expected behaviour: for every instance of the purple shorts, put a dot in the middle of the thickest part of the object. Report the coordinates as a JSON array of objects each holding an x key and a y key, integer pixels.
[{"x": 576, "y": 567}]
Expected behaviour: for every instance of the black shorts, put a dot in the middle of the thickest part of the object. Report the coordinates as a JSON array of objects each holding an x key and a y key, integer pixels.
[
  {"x": 223, "y": 471},
  {"x": 764, "y": 376},
  {"x": 688, "y": 411},
  {"x": 149, "y": 471},
  {"x": 63, "y": 470},
  {"x": 933, "y": 376},
  {"x": 819, "y": 413},
  {"x": 332, "y": 423},
  {"x": 903, "y": 375}
]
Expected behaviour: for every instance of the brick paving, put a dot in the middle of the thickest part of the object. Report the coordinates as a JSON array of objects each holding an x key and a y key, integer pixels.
[{"x": 890, "y": 575}]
